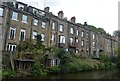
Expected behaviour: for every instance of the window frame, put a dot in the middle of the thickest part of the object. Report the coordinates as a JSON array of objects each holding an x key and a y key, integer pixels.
[
  {"x": 35, "y": 22},
  {"x": 13, "y": 29},
  {"x": 14, "y": 16},
  {"x": 24, "y": 18},
  {"x": 22, "y": 30},
  {"x": 42, "y": 37},
  {"x": 1, "y": 12},
  {"x": 43, "y": 24},
  {"x": 61, "y": 27}
]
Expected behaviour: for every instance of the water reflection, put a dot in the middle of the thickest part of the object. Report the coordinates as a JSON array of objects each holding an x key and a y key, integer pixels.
[{"x": 111, "y": 74}]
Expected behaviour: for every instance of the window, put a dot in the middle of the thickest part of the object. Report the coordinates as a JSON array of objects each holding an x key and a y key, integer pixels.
[
  {"x": 14, "y": 16},
  {"x": 53, "y": 25},
  {"x": 77, "y": 32},
  {"x": 93, "y": 44},
  {"x": 11, "y": 47},
  {"x": 77, "y": 40},
  {"x": 1, "y": 11},
  {"x": 24, "y": 18},
  {"x": 82, "y": 43},
  {"x": 62, "y": 39},
  {"x": 53, "y": 37},
  {"x": 93, "y": 36},
  {"x": 87, "y": 35},
  {"x": 20, "y": 7},
  {"x": 12, "y": 33},
  {"x": 35, "y": 22},
  {"x": 53, "y": 62},
  {"x": 71, "y": 30},
  {"x": 82, "y": 33},
  {"x": 71, "y": 40},
  {"x": 34, "y": 35},
  {"x": 61, "y": 28},
  {"x": 22, "y": 34},
  {"x": 43, "y": 37},
  {"x": 43, "y": 24}
]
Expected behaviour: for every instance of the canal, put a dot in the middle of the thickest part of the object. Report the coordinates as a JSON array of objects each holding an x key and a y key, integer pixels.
[{"x": 111, "y": 74}]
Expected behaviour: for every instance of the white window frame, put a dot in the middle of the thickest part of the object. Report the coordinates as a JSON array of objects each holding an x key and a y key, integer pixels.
[
  {"x": 82, "y": 44},
  {"x": 22, "y": 30},
  {"x": 71, "y": 30},
  {"x": 14, "y": 16},
  {"x": 43, "y": 24},
  {"x": 24, "y": 18},
  {"x": 61, "y": 27},
  {"x": 34, "y": 35},
  {"x": 71, "y": 40},
  {"x": 14, "y": 29},
  {"x": 53, "y": 25},
  {"x": 53, "y": 38},
  {"x": 35, "y": 22},
  {"x": 10, "y": 45},
  {"x": 82, "y": 34},
  {"x": 77, "y": 40},
  {"x": 1, "y": 11},
  {"x": 93, "y": 36},
  {"x": 53, "y": 62},
  {"x": 42, "y": 37},
  {"x": 77, "y": 32},
  {"x": 62, "y": 39}
]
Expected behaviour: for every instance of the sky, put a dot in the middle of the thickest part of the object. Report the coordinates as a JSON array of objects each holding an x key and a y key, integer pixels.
[{"x": 100, "y": 13}]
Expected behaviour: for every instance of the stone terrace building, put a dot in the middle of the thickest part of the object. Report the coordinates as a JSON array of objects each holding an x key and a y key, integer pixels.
[{"x": 19, "y": 21}]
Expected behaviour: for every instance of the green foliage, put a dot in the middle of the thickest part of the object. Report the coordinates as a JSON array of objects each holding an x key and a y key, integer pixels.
[
  {"x": 104, "y": 58},
  {"x": 117, "y": 33},
  {"x": 54, "y": 69},
  {"x": 117, "y": 57},
  {"x": 8, "y": 73},
  {"x": 37, "y": 70},
  {"x": 25, "y": 46}
]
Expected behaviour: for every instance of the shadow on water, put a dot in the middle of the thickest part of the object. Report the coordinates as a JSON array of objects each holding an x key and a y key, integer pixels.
[{"x": 110, "y": 74}]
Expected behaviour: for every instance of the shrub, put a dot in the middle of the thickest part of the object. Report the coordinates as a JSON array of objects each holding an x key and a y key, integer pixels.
[
  {"x": 54, "y": 69},
  {"x": 37, "y": 70},
  {"x": 8, "y": 73}
]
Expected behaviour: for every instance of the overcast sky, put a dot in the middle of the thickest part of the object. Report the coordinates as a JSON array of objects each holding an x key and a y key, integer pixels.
[{"x": 100, "y": 13}]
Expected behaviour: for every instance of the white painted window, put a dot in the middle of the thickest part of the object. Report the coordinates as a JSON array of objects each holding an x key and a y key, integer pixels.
[
  {"x": 34, "y": 35},
  {"x": 43, "y": 24},
  {"x": 42, "y": 37},
  {"x": 53, "y": 37},
  {"x": 93, "y": 36},
  {"x": 20, "y": 7},
  {"x": 82, "y": 34},
  {"x": 61, "y": 28},
  {"x": 62, "y": 39},
  {"x": 93, "y": 44},
  {"x": 12, "y": 33},
  {"x": 22, "y": 35},
  {"x": 77, "y": 40},
  {"x": 14, "y": 16},
  {"x": 82, "y": 43},
  {"x": 53, "y": 62},
  {"x": 35, "y": 22},
  {"x": 24, "y": 18},
  {"x": 77, "y": 32},
  {"x": 71, "y": 40},
  {"x": 71, "y": 30},
  {"x": 11, "y": 47},
  {"x": 53, "y": 25},
  {"x": 1, "y": 11}
]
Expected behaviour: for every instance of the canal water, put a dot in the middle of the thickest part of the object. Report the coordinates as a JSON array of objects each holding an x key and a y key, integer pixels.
[{"x": 110, "y": 74}]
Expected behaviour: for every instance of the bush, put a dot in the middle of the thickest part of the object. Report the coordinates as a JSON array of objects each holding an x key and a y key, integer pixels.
[
  {"x": 54, "y": 69},
  {"x": 7, "y": 73},
  {"x": 37, "y": 70}
]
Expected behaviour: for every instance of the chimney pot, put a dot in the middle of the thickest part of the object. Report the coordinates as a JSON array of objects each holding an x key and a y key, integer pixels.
[
  {"x": 46, "y": 9},
  {"x": 73, "y": 19}
]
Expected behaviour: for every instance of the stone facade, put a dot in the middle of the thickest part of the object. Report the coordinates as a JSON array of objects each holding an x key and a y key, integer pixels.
[{"x": 20, "y": 21}]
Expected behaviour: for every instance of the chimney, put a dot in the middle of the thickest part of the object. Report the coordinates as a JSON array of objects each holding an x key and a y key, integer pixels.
[
  {"x": 73, "y": 19},
  {"x": 60, "y": 14},
  {"x": 46, "y": 9},
  {"x": 85, "y": 23}
]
